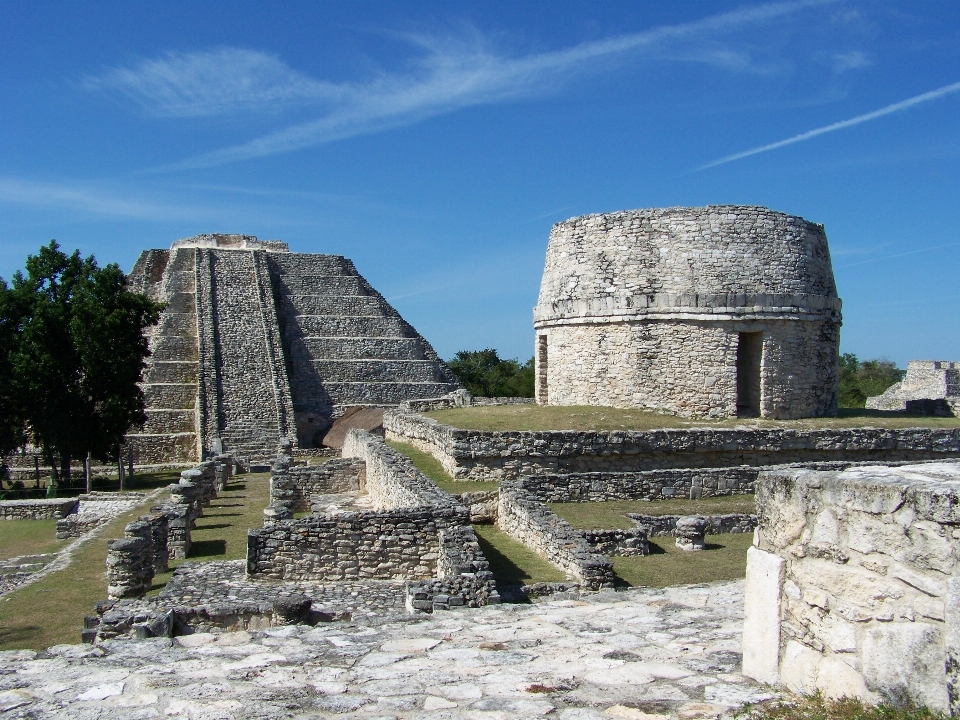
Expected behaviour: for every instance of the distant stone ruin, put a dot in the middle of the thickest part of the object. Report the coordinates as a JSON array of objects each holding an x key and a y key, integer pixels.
[
  {"x": 930, "y": 387},
  {"x": 257, "y": 344},
  {"x": 718, "y": 311}
]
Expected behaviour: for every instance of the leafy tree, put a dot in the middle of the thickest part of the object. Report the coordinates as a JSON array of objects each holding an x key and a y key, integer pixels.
[
  {"x": 77, "y": 355},
  {"x": 11, "y": 417},
  {"x": 860, "y": 380},
  {"x": 484, "y": 374}
]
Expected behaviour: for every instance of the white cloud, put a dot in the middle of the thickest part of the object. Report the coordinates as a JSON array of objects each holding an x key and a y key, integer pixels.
[
  {"x": 85, "y": 198},
  {"x": 873, "y": 115},
  {"x": 451, "y": 73},
  {"x": 212, "y": 83},
  {"x": 852, "y": 60}
]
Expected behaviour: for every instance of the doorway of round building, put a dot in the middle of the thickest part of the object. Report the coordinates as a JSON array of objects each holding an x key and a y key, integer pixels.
[{"x": 749, "y": 362}]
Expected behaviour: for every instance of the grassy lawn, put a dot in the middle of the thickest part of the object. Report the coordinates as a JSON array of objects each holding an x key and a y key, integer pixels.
[
  {"x": 221, "y": 533},
  {"x": 724, "y": 559},
  {"x": 537, "y": 417},
  {"x": 613, "y": 514},
  {"x": 431, "y": 467},
  {"x": 512, "y": 562},
  {"x": 51, "y": 610},
  {"x": 28, "y": 537}
]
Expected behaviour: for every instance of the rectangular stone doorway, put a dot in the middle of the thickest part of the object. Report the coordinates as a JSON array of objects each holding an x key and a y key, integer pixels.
[{"x": 749, "y": 357}]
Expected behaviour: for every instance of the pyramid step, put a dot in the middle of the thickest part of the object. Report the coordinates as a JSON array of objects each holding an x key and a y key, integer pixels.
[
  {"x": 170, "y": 421},
  {"x": 324, "y": 285},
  {"x": 291, "y": 306},
  {"x": 181, "y": 396},
  {"x": 332, "y": 326},
  {"x": 297, "y": 263},
  {"x": 355, "y": 348},
  {"x": 173, "y": 347},
  {"x": 384, "y": 393},
  {"x": 393, "y": 371},
  {"x": 172, "y": 372}
]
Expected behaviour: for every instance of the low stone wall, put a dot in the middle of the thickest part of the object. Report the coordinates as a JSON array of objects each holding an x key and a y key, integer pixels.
[
  {"x": 852, "y": 587},
  {"x": 392, "y": 480},
  {"x": 665, "y": 525},
  {"x": 293, "y": 486},
  {"x": 37, "y": 509},
  {"x": 628, "y": 543},
  {"x": 646, "y": 485},
  {"x": 503, "y": 455},
  {"x": 521, "y": 515},
  {"x": 386, "y": 545}
]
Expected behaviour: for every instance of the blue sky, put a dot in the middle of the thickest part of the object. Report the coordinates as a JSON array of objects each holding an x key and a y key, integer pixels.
[{"x": 436, "y": 143}]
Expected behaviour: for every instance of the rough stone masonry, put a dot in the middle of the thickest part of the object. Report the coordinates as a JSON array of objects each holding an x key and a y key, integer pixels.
[
  {"x": 257, "y": 344},
  {"x": 717, "y": 311}
]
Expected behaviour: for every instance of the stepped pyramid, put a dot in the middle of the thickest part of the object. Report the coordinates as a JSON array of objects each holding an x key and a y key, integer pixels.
[{"x": 258, "y": 343}]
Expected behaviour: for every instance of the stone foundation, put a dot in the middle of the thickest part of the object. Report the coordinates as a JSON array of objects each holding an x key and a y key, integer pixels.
[
  {"x": 503, "y": 455},
  {"x": 295, "y": 485},
  {"x": 852, "y": 587},
  {"x": 37, "y": 509}
]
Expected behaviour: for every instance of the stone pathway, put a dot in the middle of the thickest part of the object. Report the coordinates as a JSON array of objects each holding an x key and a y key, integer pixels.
[
  {"x": 642, "y": 654},
  {"x": 17, "y": 572}
]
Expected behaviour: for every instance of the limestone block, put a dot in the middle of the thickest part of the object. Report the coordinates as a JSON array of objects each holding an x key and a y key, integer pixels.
[
  {"x": 836, "y": 679},
  {"x": 951, "y": 644},
  {"x": 800, "y": 668},
  {"x": 761, "y": 624},
  {"x": 903, "y": 661},
  {"x": 690, "y": 532}
]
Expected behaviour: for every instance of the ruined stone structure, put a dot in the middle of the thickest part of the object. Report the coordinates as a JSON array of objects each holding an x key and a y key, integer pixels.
[
  {"x": 703, "y": 312},
  {"x": 258, "y": 343},
  {"x": 853, "y": 586},
  {"x": 930, "y": 387}
]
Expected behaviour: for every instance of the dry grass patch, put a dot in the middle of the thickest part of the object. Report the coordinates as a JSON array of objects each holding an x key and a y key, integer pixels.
[
  {"x": 582, "y": 418},
  {"x": 512, "y": 562},
  {"x": 28, "y": 537},
  {"x": 724, "y": 559},
  {"x": 613, "y": 514},
  {"x": 819, "y": 708},
  {"x": 431, "y": 467}
]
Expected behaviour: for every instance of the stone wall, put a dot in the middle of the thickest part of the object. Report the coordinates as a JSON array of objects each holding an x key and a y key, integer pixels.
[
  {"x": 645, "y": 309},
  {"x": 522, "y": 516},
  {"x": 294, "y": 486},
  {"x": 852, "y": 587},
  {"x": 628, "y": 542},
  {"x": 392, "y": 480},
  {"x": 386, "y": 545},
  {"x": 500, "y": 455},
  {"x": 727, "y": 523},
  {"x": 930, "y": 387},
  {"x": 37, "y": 509}
]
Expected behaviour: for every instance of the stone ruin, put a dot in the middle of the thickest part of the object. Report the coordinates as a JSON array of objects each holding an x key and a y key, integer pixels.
[
  {"x": 930, "y": 387},
  {"x": 718, "y": 311},
  {"x": 853, "y": 584},
  {"x": 258, "y": 343}
]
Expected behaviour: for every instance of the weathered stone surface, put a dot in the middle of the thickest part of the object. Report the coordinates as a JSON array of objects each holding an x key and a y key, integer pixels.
[
  {"x": 761, "y": 616},
  {"x": 675, "y": 650},
  {"x": 867, "y": 600},
  {"x": 36, "y": 509},
  {"x": 646, "y": 308},
  {"x": 930, "y": 387}
]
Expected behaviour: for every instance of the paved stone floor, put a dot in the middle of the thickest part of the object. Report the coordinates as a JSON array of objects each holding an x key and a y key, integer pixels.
[{"x": 643, "y": 654}]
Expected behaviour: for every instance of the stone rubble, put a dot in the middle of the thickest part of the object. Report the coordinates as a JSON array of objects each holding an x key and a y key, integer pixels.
[{"x": 644, "y": 653}]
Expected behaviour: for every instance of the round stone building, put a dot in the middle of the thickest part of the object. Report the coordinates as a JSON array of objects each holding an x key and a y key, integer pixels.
[{"x": 717, "y": 311}]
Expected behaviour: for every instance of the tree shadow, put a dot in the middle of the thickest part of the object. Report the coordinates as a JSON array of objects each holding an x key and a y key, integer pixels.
[{"x": 214, "y": 526}]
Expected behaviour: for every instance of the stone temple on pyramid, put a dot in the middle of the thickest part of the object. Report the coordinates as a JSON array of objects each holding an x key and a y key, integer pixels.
[{"x": 258, "y": 343}]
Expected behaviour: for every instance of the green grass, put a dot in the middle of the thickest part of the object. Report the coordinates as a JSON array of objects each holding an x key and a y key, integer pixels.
[
  {"x": 724, "y": 559},
  {"x": 819, "y": 708},
  {"x": 549, "y": 417},
  {"x": 613, "y": 514},
  {"x": 431, "y": 467},
  {"x": 28, "y": 537},
  {"x": 51, "y": 610},
  {"x": 221, "y": 533},
  {"x": 512, "y": 562}
]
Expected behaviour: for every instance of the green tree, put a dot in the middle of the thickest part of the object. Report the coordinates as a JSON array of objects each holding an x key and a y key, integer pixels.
[
  {"x": 77, "y": 356},
  {"x": 11, "y": 417},
  {"x": 860, "y": 380},
  {"x": 484, "y": 374}
]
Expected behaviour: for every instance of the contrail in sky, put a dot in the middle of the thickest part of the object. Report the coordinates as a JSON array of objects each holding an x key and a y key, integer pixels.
[{"x": 896, "y": 107}]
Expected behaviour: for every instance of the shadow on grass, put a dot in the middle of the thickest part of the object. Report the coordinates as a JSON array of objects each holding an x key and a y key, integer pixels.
[
  {"x": 222, "y": 515},
  {"x": 207, "y": 548},
  {"x": 19, "y": 636},
  {"x": 213, "y": 526},
  {"x": 504, "y": 570}
]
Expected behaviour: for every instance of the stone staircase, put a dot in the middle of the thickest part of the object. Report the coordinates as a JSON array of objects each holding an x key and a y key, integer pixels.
[
  {"x": 170, "y": 380},
  {"x": 243, "y": 385},
  {"x": 345, "y": 345}
]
